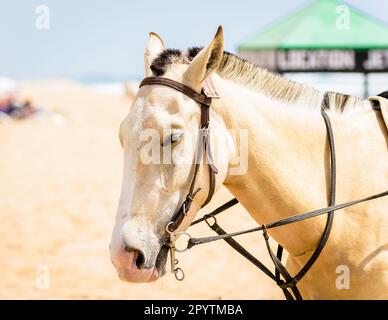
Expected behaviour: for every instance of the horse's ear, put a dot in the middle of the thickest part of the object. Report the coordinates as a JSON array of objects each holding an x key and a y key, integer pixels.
[
  {"x": 207, "y": 60},
  {"x": 154, "y": 48}
]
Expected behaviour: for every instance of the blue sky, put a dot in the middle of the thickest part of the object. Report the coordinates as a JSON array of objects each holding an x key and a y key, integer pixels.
[{"x": 100, "y": 37}]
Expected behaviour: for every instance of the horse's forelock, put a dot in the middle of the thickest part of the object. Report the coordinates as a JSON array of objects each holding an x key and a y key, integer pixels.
[{"x": 170, "y": 56}]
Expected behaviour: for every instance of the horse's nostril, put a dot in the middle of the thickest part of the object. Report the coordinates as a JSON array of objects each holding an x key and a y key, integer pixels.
[
  {"x": 140, "y": 260},
  {"x": 139, "y": 256}
]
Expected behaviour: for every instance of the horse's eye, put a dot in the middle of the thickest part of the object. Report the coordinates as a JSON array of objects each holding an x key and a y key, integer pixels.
[{"x": 174, "y": 137}]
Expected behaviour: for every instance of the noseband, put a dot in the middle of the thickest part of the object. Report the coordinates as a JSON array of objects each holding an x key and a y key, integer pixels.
[{"x": 290, "y": 282}]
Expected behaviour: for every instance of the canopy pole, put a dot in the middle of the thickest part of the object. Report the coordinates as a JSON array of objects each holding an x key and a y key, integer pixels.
[{"x": 366, "y": 85}]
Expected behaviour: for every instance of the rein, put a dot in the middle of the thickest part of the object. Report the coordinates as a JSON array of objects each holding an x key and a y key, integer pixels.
[{"x": 289, "y": 283}]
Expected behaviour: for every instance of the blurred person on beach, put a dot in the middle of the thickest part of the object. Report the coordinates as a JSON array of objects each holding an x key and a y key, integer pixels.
[{"x": 9, "y": 106}]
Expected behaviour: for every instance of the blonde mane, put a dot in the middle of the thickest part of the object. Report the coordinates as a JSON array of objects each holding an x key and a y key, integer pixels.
[
  {"x": 272, "y": 85},
  {"x": 281, "y": 88}
]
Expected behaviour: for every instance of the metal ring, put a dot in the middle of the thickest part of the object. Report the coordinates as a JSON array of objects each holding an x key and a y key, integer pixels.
[
  {"x": 186, "y": 248},
  {"x": 207, "y": 222},
  {"x": 168, "y": 228},
  {"x": 178, "y": 271}
]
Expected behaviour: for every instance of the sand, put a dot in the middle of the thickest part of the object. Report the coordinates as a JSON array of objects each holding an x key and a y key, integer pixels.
[{"x": 60, "y": 177}]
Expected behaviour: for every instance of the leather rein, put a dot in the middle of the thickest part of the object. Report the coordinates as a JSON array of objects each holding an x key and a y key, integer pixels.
[{"x": 289, "y": 283}]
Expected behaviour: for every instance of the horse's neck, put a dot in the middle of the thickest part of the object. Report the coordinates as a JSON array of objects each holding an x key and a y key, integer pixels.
[{"x": 287, "y": 163}]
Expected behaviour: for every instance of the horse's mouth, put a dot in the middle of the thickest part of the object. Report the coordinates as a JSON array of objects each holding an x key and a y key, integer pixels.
[{"x": 161, "y": 261}]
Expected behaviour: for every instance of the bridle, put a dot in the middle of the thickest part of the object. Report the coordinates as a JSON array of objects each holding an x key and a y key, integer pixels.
[
  {"x": 289, "y": 283},
  {"x": 203, "y": 144}
]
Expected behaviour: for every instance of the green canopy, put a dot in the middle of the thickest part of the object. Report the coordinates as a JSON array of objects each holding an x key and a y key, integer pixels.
[{"x": 320, "y": 26}]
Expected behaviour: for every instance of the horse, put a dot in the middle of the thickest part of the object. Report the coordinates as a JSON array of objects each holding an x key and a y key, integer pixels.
[{"x": 279, "y": 167}]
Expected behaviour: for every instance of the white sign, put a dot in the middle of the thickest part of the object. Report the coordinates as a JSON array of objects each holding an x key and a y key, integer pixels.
[{"x": 316, "y": 60}]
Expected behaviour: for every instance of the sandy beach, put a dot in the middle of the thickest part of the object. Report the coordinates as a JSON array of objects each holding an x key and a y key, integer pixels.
[{"x": 60, "y": 177}]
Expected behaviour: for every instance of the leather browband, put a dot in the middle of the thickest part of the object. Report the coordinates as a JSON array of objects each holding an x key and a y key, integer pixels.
[{"x": 200, "y": 98}]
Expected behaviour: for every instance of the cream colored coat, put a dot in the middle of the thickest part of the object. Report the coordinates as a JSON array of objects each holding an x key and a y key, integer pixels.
[{"x": 287, "y": 173}]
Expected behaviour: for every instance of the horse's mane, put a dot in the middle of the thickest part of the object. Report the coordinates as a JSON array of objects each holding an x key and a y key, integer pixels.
[{"x": 273, "y": 85}]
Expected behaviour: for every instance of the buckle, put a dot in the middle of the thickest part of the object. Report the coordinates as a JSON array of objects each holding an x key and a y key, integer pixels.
[
  {"x": 208, "y": 89},
  {"x": 265, "y": 232}
]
